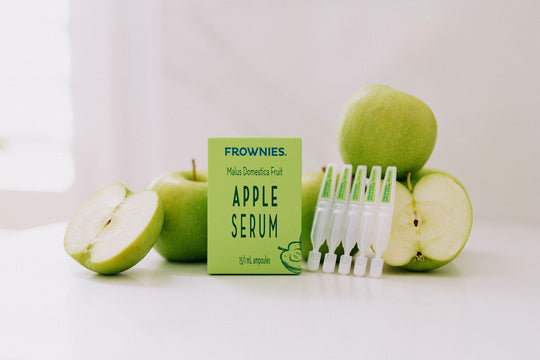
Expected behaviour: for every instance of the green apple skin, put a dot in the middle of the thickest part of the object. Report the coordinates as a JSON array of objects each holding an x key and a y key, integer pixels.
[
  {"x": 387, "y": 127},
  {"x": 311, "y": 184},
  {"x": 426, "y": 263},
  {"x": 183, "y": 237},
  {"x": 132, "y": 254}
]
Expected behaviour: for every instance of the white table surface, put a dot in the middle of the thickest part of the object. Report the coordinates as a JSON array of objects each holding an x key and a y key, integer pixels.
[{"x": 484, "y": 305}]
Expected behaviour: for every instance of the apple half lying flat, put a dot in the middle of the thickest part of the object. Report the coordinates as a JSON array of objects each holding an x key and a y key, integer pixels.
[
  {"x": 114, "y": 229},
  {"x": 431, "y": 223}
]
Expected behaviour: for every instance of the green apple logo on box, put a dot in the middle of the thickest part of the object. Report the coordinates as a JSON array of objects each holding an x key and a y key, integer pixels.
[{"x": 291, "y": 257}]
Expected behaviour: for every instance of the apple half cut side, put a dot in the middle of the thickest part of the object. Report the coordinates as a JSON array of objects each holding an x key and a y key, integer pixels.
[
  {"x": 431, "y": 223},
  {"x": 114, "y": 229}
]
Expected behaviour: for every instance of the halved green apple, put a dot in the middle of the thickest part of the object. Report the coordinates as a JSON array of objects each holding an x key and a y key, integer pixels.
[
  {"x": 431, "y": 223},
  {"x": 114, "y": 229}
]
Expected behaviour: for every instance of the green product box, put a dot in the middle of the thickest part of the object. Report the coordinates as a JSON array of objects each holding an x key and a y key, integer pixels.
[{"x": 254, "y": 205}]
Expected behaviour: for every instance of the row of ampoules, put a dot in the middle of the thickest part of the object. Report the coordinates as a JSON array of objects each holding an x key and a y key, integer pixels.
[{"x": 359, "y": 215}]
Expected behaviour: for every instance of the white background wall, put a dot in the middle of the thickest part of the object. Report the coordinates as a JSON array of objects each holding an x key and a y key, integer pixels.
[
  {"x": 152, "y": 80},
  {"x": 288, "y": 70}
]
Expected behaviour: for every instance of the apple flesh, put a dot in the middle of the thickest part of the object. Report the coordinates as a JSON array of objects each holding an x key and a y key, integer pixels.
[
  {"x": 114, "y": 229},
  {"x": 383, "y": 126},
  {"x": 183, "y": 237},
  {"x": 431, "y": 223}
]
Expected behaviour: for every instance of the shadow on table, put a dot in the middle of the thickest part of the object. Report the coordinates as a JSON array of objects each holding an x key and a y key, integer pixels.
[
  {"x": 474, "y": 263},
  {"x": 469, "y": 263},
  {"x": 162, "y": 275},
  {"x": 447, "y": 271}
]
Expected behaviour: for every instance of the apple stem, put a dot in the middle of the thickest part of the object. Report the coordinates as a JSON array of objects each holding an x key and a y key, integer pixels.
[
  {"x": 323, "y": 169},
  {"x": 409, "y": 185},
  {"x": 194, "y": 169}
]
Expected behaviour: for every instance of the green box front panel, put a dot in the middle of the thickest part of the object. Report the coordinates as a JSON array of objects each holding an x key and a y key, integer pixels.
[{"x": 254, "y": 205}]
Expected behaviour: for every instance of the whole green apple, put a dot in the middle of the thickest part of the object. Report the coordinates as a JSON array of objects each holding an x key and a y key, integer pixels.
[
  {"x": 431, "y": 223},
  {"x": 114, "y": 229},
  {"x": 183, "y": 236},
  {"x": 383, "y": 126},
  {"x": 311, "y": 184}
]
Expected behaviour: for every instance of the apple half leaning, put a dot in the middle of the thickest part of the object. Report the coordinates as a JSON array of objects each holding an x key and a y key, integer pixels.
[
  {"x": 114, "y": 229},
  {"x": 431, "y": 223}
]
